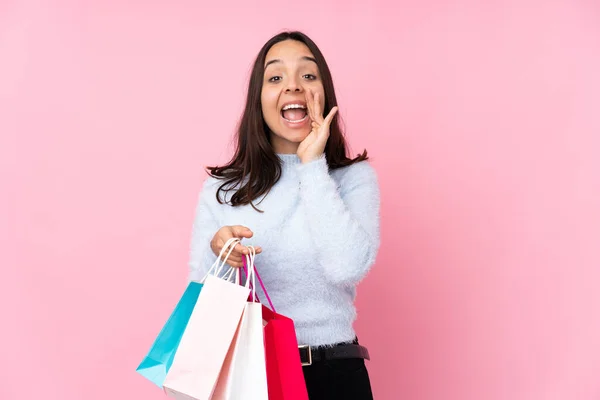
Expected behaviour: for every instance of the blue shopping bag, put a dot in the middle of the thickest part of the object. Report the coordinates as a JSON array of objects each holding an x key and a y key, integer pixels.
[{"x": 157, "y": 362}]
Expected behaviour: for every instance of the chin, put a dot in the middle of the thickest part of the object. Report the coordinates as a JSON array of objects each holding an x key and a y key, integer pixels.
[{"x": 293, "y": 136}]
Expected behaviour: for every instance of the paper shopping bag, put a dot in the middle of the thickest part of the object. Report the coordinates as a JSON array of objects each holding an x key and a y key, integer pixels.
[
  {"x": 285, "y": 377},
  {"x": 157, "y": 362},
  {"x": 244, "y": 375},
  {"x": 206, "y": 340}
]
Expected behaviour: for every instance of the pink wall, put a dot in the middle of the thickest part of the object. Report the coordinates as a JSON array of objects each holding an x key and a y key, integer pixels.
[{"x": 483, "y": 121}]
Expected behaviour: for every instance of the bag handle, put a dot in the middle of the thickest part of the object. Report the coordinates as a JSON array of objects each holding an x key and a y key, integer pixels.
[
  {"x": 229, "y": 246},
  {"x": 255, "y": 298},
  {"x": 248, "y": 259},
  {"x": 219, "y": 263}
]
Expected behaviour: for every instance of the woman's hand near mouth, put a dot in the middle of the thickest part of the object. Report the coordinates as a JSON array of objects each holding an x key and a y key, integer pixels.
[{"x": 313, "y": 146}]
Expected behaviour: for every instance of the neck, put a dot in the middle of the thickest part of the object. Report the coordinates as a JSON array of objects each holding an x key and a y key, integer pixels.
[{"x": 283, "y": 146}]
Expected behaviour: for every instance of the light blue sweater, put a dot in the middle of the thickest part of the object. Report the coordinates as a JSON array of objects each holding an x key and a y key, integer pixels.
[{"x": 320, "y": 235}]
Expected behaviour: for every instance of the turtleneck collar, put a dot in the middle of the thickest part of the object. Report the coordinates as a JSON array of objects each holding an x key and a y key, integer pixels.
[{"x": 289, "y": 161}]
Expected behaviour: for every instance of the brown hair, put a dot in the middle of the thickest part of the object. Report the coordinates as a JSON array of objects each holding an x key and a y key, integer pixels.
[{"x": 255, "y": 168}]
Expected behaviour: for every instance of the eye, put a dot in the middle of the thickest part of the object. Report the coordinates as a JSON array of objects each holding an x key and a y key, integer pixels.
[
  {"x": 310, "y": 77},
  {"x": 275, "y": 79}
]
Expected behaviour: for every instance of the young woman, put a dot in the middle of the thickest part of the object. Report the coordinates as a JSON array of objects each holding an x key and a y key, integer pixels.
[{"x": 310, "y": 210}]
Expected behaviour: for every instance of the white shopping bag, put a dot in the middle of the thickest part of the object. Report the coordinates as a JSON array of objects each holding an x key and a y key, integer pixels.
[
  {"x": 208, "y": 335},
  {"x": 244, "y": 373}
]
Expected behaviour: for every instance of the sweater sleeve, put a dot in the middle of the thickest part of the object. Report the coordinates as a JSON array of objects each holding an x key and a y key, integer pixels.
[
  {"x": 344, "y": 222},
  {"x": 204, "y": 227}
]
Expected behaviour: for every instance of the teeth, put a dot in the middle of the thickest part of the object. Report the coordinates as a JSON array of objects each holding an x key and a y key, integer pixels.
[{"x": 290, "y": 106}]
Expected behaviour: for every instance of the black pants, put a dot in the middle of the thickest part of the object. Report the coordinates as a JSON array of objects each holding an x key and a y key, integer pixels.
[{"x": 345, "y": 379}]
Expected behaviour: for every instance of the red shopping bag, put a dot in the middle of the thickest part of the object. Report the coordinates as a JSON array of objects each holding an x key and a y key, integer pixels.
[{"x": 285, "y": 378}]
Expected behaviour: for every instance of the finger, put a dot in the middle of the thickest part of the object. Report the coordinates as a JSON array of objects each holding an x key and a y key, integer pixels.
[
  {"x": 216, "y": 243},
  {"x": 330, "y": 116},
  {"x": 240, "y": 231},
  {"x": 317, "y": 108},
  {"x": 311, "y": 105},
  {"x": 235, "y": 264},
  {"x": 308, "y": 103},
  {"x": 233, "y": 257},
  {"x": 258, "y": 250},
  {"x": 217, "y": 246},
  {"x": 311, "y": 137},
  {"x": 240, "y": 249}
]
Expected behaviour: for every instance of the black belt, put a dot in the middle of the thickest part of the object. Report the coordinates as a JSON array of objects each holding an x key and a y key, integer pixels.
[{"x": 308, "y": 355}]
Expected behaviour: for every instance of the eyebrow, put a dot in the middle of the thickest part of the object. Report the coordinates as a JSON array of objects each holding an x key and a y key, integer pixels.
[{"x": 276, "y": 61}]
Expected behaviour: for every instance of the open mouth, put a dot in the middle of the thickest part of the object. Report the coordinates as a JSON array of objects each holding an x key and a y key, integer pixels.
[{"x": 294, "y": 113}]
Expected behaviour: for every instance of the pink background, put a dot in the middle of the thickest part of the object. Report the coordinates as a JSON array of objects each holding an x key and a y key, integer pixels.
[{"x": 482, "y": 119}]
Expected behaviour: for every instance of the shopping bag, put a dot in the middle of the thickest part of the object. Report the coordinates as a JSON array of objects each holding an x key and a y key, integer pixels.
[
  {"x": 285, "y": 377},
  {"x": 207, "y": 338},
  {"x": 157, "y": 362},
  {"x": 159, "y": 358},
  {"x": 244, "y": 375}
]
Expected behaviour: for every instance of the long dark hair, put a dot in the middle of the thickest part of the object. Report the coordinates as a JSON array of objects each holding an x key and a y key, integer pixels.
[{"x": 255, "y": 168}]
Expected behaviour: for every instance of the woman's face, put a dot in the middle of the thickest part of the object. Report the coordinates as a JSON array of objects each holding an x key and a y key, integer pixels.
[{"x": 290, "y": 71}]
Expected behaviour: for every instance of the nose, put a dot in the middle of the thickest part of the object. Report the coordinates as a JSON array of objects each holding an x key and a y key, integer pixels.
[{"x": 293, "y": 86}]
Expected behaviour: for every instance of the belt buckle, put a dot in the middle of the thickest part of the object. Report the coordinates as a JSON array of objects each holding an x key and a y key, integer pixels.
[{"x": 305, "y": 346}]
